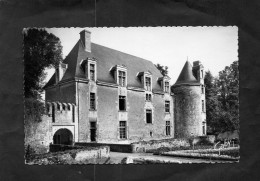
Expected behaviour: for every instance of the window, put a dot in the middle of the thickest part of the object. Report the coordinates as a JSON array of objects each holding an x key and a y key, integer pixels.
[
  {"x": 166, "y": 87},
  {"x": 203, "y": 110},
  {"x": 203, "y": 128},
  {"x": 168, "y": 128},
  {"x": 148, "y": 83},
  {"x": 202, "y": 89},
  {"x": 92, "y": 101},
  {"x": 92, "y": 72},
  {"x": 73, "y": 114},
  {"x": 167, "y": 106},
  {"x": 202, "y": 74},
  {"x": 148, "y": 116},
  {"x": 121, "y": 78},
  {"x": 148, "y": 97},
  {"x": 53, "y": 113},
  {"x": 122, "y": 103},
  {"x": 122, "y": 129}
]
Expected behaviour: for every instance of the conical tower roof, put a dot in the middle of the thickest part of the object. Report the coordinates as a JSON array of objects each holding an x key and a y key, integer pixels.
[{"x": 186, "y": 76}]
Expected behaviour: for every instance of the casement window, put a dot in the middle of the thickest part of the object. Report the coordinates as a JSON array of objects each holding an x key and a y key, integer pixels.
[
  {"x": 202, "y": 89},
  {"x": 121, "y": 78},
  {"x": 148, "y": 116},
  {"x": 122, "y": 103},
  {"x": 63, "y": 107},
  {"x": 122, "y": 130},
  {"x": 167, "y": 106},
  {"x": 148, "y": 97},
  {"x": 166, "y": 87},
  {"x": 168, "y": 128},
  {"x": 203, "y": 106},
  {"x": 202, "y": 74},
  {"x": 92, "y": 101},
  {"x": 148, "y": 83},
  {"x": 92, "y": 72}
]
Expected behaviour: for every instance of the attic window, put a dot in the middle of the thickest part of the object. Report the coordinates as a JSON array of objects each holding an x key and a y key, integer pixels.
[
  {"x": 166, "y": 87},
  {"x": 92, "y": 72},
  {"x": 148, "y": 83},
  {"x": 121, "y": 78}
]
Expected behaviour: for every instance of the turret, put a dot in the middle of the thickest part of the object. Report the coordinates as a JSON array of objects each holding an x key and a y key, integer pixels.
[{"x": 188, "y": 105}]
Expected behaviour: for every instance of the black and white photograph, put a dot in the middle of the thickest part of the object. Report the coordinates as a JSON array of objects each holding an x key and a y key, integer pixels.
[{"x": 135, "y": 95}]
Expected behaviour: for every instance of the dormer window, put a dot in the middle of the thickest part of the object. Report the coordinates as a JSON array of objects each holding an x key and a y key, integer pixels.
[
  {"x": 90, "y": 68},
  {"x": 146, "y": 80},
  {"x": 166, "y": 87},
  {"x": 165, "y": 83},
  {"x": 119, "y": 72},
  {"x": 148, "y": 83},
  {"x": 121, "y": 78},
  {"x": 92, "y": 72}
]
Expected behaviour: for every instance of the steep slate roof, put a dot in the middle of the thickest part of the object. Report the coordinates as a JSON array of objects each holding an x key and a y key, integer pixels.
[
  {"x": 186, "y": 76},
  {"x": 106, "y": 59}
]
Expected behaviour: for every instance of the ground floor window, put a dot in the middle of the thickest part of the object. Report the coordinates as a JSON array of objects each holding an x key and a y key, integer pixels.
[
  {"x": 168, "y": 128},
  {"x": 122, "y": 129}
]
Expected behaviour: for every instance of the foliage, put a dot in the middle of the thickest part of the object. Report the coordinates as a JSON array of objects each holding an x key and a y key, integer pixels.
[
  {"x": 41, "y": 50},
  {"x": 222, "y": 99},
  {"x": 34, "y": 109},
  {"x": 162, "y": 69}
]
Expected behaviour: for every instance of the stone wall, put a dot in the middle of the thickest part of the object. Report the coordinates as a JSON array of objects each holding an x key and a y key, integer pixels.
[
  {"x": 188, "y": 111},
  {"x": 92, "y": 155},
  {"x": 148, "y": 146},
  {"x": 38, "y": 135}
]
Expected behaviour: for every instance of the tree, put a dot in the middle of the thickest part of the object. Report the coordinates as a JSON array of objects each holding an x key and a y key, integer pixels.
[
  {"x": 228, "y": 83},
  {"x": 41, "y": 50},
  {"x": 222, "y": 99},
  {"x": 162, "y": 69},
  {"x": 212, "y": 103}
]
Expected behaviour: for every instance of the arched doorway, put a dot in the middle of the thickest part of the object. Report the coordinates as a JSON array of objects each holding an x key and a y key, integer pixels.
[{"x": 63, "y": 137}]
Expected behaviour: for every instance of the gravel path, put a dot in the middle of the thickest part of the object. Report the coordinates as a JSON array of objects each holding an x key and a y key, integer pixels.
[{"x": 117, "y": 157}]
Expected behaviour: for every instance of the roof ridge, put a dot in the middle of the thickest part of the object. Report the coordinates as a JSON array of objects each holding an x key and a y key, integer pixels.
[{"x": 123, "y": 52}]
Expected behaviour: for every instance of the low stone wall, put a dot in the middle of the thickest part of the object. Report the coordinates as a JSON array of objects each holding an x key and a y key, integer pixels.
[
  {"x": 56, "y": 148},
  {"x": 87, "y": 155},
  {"x": 124, "y": 148},
  {"x": 150, "y": 146}
]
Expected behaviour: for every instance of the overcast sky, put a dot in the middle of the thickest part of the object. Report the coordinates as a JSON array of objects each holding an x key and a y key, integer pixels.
[{"x": 215, "y": 47}]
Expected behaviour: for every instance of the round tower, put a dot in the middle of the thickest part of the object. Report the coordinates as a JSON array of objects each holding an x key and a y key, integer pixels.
[{"x": 188, "y": 106}]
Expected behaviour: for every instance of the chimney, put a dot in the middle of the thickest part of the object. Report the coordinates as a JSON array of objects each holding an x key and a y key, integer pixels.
[
  {"x": 60, "y": 71},
  {"x": 85, "y": 37}
]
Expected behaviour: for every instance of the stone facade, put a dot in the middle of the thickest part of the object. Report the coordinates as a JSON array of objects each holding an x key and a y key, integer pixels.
[{"x": 95, "y": 91}]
